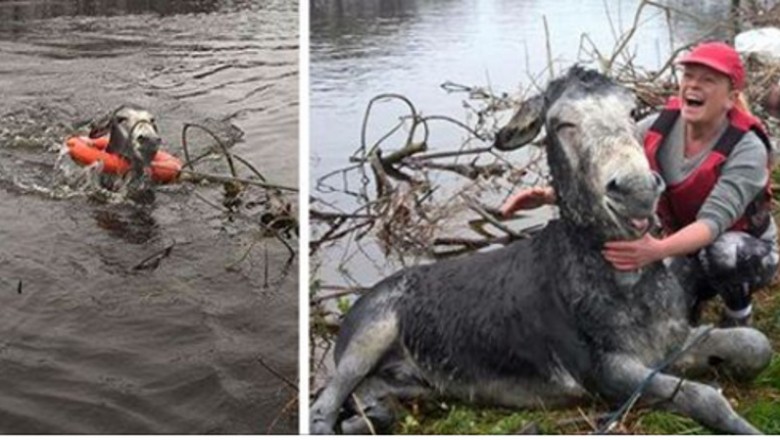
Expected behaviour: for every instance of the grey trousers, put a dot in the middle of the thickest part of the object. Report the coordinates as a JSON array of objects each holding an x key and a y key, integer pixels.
[{"x": 732, "y": 267}]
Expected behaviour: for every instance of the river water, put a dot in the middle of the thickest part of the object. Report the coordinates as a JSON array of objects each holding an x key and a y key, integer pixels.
[
  {"x": 88, "y": 344},
  {"x": 360, "y": 49}
]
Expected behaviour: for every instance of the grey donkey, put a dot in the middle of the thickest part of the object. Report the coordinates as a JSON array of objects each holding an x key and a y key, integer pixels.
[{"x": 133, "y": 135}]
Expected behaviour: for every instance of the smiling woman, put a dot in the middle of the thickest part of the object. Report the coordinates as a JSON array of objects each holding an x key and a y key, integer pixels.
[{"x": 714, "y": 156}]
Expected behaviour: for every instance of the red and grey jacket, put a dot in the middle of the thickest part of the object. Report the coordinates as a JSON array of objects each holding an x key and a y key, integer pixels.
[{"x": 680, "y": 203}]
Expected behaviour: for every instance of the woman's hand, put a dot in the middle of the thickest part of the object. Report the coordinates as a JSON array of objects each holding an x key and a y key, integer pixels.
[
  {"x": 635, "y": 254},
  {"x": 529, "y": 198},
  {"x": 632, "y": 255}
]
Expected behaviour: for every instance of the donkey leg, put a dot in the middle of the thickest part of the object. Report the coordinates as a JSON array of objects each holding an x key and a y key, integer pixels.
[
  {"x": 741, "y": 353},
  {"x": 623, "y": 374},
  {"x": 378, "y": 398},
  {"x": 362, "y": 354}
]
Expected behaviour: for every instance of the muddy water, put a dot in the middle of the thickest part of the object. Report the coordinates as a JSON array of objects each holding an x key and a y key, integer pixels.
[
  {"x": 89, "y": 343},
  {"x": 360, "y": 49}
]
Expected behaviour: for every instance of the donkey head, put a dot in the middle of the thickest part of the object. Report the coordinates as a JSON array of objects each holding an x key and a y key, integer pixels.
[
  {"x": 132, "y": 134},
  {"x": 600, "y": 173}
]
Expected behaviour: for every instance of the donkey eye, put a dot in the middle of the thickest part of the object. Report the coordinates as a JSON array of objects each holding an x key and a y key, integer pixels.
[
  {"x": 121, "y": 119},
  {"x": 563, "y": 125}
]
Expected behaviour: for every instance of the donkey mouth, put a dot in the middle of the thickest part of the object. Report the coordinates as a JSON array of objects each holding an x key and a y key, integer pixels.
[{"x": 633, "y": 224}]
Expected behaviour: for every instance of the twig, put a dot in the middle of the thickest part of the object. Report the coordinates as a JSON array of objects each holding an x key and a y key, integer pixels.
[
  {"x": 320, "y": 186},
  {"x": 333, "y": 235},
  {"x": 547, "y": 46},
  {"x": 363, "y": 415},
  {"x": 208, "y": 202},
  {"x": 233, "y": 266},
  {"x": 250, "y": 166},
  {"x": 315, "y": 214},
  {"x": 290, "y": 404},
  {"x": 402, "y": 98},
  {"x": 153, "y": 261},
  {"x": 265, "y": 227},
  {"x": 408, "y": 150},
  {"x": 626, "y": 38},
  {"x": 331, "y": 296},
  {"x": 278, "y": 375},
  {"x": 266, "y": 266},
  {"x": 591, "y": 421},
  {"x": 457, "y": 123},
  {"x": 196, "y": 176},
  {"x": 468, "y": 171},
  {"x": 445, "y": 154},
  {"x": 467, "y": 244},
  {"x": 488, "y": 217},
  {"x": 222, "y": 146}
]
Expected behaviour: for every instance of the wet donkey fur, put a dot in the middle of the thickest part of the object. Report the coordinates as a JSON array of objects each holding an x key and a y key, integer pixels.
[
  {"x": 133, "y": 135},
  {"x": 544, "y": 322}
]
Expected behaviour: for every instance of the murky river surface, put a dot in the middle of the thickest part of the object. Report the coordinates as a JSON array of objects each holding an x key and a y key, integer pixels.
[
  {"x": 360, "y": 49},
  {"x": 88, "y": 344}
]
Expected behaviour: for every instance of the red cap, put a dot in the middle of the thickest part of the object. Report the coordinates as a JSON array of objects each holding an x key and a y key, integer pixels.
[{"x": 720, "y": 57}]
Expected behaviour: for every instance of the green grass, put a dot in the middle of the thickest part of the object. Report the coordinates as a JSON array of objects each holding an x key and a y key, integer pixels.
[
  {"x": 765, "y": 415},
  {"x": 662, "y": 422},
  {"x": 770, "y": 377},
  {"x": 464, "y": 419}
]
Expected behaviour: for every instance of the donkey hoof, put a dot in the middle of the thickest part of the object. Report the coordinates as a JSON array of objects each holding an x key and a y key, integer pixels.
[{"x": 319, "y": 426}]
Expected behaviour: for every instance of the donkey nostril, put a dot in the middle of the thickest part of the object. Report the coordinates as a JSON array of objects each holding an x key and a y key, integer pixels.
[
  {"x": 147, "y": 139},
  {"x": 658, "y": 182},
  {"x": 612, "y": 186}
]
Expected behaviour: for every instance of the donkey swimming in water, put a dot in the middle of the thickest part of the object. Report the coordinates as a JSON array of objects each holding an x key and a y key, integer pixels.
[
  {"x": 133, "y": 135},
  {"x": 545, "y": 322}
]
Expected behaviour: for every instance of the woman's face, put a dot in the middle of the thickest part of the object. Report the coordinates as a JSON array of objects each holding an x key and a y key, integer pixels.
[{"x": 706, "y": 94}]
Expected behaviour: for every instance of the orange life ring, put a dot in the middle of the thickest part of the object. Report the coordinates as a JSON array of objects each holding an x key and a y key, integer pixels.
[{"x": 86, "y": 151}]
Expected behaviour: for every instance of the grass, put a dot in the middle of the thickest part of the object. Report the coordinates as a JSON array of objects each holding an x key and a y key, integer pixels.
[{"x": 463, "y": 419}]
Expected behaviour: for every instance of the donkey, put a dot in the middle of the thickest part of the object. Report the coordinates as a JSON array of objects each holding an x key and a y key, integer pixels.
[
  {"x": 133, "y": 135},
  {"x": 546, "y": 321}
]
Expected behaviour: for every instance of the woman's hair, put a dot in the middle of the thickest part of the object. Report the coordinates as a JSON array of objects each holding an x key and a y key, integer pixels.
[{"x": 741, "y": 102}]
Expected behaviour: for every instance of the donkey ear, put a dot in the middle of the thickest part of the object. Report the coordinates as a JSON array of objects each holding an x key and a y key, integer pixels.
[
  {"x": 524, "y": 126},
  {"x": 101, "y": 126}
]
